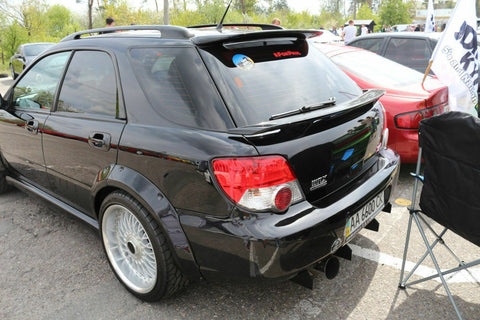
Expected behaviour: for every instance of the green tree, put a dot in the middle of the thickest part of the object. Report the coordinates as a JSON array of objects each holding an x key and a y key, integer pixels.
[
  {"x": 393, "y": 12},
  {"x": 31, "y": 17},
  {"x": 90, "y": 14},
  {"x": 58, "y": 19},
  {"x": 365, "y": 13},
  {"x": 280, "y": 5},
  {"x": 213, "y": 10},
  {"x": 126, "y": 15},
  {"x": 329, "y": 19},
  {"x": 186, "y": 17},
  {"x": 333, "y": 6},
  {"x": 245, "y": 6},
  {"x": 13, "y": 36}
]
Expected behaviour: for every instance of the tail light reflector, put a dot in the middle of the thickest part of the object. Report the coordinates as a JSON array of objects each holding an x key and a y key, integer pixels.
[
  {"x": 384, "y": 136},
  {"x": 283, "y": 198},
  {"x": 258, "y": 183}
]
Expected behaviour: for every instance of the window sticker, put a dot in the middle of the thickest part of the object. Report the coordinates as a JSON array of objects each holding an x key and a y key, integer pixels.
[
  {"x": 287, "y": 54},
  {"x": 243, "y": 62}
]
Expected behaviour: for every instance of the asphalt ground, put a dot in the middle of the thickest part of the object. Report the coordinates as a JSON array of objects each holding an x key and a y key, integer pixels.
[{"x": 52, "y": 266}]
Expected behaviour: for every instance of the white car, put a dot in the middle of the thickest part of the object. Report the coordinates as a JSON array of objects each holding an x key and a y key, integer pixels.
[{"x": 327, "y": 37}]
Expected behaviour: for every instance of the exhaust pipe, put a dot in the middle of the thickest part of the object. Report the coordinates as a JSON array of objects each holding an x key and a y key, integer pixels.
[{"x": 329, "y": 266}]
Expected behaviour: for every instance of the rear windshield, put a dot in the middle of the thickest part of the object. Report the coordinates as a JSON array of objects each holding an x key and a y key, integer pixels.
[
  {"x": 265, "y": 77},
  {"x": 377, "y": 70},
  {"x": 36, "y": 49}
]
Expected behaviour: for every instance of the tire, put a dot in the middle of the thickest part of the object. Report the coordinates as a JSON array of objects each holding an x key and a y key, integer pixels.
[
  {"x": 4, "y": 186},
  {"x": 137, "y": 250},
  {"x": 12, "y": 72}
]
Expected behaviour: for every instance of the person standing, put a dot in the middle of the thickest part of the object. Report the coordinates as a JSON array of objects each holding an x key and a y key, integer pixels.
[
  {"x": 349, "y": 32},
  {"x": 364, "y": 30},
  {"x": 109, "y": 22},
  {"x": 276, "y": 21},
  {"x": 334, "y": 30}
]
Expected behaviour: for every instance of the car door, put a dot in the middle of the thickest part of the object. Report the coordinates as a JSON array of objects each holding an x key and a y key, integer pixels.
[
  {"x": 22, "y": 122},
  {"x": 82, "y": 134}
]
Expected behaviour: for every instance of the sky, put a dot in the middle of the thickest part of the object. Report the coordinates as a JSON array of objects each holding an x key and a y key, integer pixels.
[{"x": 312, "y": 6}]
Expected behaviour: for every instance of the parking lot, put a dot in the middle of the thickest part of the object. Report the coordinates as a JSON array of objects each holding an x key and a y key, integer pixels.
[{"x": 52, "y": 267}]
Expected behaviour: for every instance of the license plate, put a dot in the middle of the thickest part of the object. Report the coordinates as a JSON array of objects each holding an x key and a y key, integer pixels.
[{"x": 363, "y": 216}]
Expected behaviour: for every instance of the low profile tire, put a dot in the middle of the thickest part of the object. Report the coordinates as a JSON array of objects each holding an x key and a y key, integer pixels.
[
  {"x": 4, "y": 187},
  {"x": 137, "y": 250}
]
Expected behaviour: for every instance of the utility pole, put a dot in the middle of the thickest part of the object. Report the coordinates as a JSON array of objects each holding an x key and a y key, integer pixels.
[
  {"x": 354, "y": 9},
  {"x": 166, "y": 17}
]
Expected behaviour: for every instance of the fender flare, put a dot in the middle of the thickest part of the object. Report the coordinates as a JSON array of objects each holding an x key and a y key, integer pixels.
[{"x": 119, "y": 177}]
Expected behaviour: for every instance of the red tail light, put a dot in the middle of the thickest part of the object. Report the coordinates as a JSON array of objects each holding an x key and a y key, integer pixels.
[
  {"x": 411, "y": 120},
  {"x": 258, "y": 183}
]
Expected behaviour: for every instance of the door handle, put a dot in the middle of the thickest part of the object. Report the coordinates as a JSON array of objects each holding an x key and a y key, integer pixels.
[
  {"x": 32, "y": 126},
  {"x": 100, "y": 140}
]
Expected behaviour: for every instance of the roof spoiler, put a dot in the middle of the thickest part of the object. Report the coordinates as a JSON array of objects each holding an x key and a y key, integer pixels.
[
  {"x": 248, "y": 36},
  {"x": 262, "y": 26}
]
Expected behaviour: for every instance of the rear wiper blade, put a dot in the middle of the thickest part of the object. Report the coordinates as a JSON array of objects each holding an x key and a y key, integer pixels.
[{"x": 330, "y": 102}]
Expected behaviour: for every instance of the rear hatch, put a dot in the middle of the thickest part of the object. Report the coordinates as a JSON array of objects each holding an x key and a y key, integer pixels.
[
  {"x": 286, "y": 99},
  {"x": 331, "y": 151}
]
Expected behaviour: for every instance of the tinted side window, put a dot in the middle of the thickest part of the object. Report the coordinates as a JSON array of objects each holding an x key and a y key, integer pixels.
[
  {"x": 89, "y": 85},
  {"x": 410, "y": 52},
  {"x": 36, "y": 89},
  {"x": 368, "y": 44},
  {"x": 177, "y": 85}
]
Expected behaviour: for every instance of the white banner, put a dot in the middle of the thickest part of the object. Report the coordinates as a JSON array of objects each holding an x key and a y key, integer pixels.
[
  {"x": 455, "y": 58},
  {"x": 430, "y": 20}
]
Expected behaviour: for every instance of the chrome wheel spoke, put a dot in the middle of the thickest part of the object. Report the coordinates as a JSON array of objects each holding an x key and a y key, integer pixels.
[{"x": 129, "y": 249}]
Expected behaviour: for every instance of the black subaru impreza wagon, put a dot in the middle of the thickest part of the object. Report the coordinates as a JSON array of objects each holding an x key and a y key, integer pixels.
[{"x": 200, "y": 153}]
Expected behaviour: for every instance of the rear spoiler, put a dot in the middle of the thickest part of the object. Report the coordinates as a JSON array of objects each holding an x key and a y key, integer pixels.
[
  {"x": 262, "y": 26},
  {"x": 369, "y": 97},
  {"x": 220, "y": 38}
]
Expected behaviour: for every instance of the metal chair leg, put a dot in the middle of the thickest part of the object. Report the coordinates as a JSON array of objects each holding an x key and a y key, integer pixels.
[{"x": 437, "y": 267}]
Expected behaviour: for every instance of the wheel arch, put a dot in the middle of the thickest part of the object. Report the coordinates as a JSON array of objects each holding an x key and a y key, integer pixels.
[{"x": 152, "y": 198}]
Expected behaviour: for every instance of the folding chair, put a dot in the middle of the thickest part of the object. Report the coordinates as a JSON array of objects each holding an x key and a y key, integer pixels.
[{"x": 450, "y": 146}]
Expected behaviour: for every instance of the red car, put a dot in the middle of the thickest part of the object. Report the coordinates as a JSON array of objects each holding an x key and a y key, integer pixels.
[{"x": 406, "y": 101}]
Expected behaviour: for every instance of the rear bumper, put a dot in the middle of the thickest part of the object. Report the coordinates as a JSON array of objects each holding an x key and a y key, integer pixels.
[
  {"x": 405, "y": 143},
  {"x": 279, "y": 246}
]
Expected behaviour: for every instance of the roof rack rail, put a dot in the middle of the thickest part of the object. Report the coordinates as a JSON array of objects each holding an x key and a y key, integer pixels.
[
  {"x": 166, "y": 31},
  {"x": 263, "y": 26}
]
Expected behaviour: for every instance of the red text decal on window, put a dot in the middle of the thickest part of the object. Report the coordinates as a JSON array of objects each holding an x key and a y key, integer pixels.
[{"x": 286, "y": 54}]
